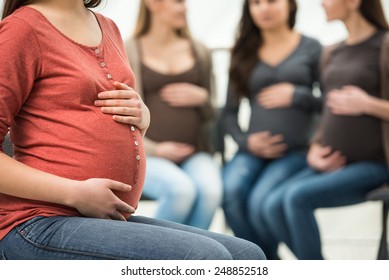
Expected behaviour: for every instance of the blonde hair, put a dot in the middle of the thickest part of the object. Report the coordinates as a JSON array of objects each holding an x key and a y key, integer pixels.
[{"x": 144, "y": 22}]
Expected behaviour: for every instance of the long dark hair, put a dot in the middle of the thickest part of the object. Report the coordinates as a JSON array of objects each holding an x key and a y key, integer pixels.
[
  {"x": 11, "y": 5},
  {"x": 373, "y": 12},
  {"x": 244, "y": 53}
]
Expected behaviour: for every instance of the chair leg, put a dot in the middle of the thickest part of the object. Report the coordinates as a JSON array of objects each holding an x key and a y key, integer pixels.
[{"x": 383, "y": 250}]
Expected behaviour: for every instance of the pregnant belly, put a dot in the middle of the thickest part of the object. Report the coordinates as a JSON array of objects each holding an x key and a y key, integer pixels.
[
  {"x": 179, "y": 125},
  {"x": 357, "y": 138},
  {"x": 294, "y": 125},
  {"x": 83, "y": 148}
]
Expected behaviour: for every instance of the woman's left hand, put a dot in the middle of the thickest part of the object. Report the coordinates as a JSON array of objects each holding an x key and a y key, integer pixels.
[
  {"x": 126, "y": 106},
  {"x": 349, "y": 101},
  {"x": 184, "y": 95}
]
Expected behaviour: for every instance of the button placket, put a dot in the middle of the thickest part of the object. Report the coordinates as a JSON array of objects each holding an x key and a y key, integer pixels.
[
  {"x": 102, "y": 63},
  {"x": 138, "y": 158}
]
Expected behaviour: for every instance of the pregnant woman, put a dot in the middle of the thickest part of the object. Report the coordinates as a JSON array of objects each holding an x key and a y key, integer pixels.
[{"x": 274, "y": 67}]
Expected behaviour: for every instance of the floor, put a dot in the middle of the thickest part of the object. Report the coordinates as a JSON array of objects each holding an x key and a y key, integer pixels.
[{"x": 348, "y": 233}]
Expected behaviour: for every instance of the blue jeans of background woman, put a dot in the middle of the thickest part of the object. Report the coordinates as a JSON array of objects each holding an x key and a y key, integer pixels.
[
  {"x": 289, "y": 210},
  {"x": 248, "y": 181},
  {"x": 188, "y": 193},
  {"x": 80, "y": 238}
]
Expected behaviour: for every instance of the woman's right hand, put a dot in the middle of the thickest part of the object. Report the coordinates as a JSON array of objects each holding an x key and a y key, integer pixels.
[
  {"x": 125, "y": 105},
  {"x": 174, "y": 151},
  {"x": 95, "y": 198},
  {"x": 264, "y": 144},
  {"x": 324, "y": 159}
]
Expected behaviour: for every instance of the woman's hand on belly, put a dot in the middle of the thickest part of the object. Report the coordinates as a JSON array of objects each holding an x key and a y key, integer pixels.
[
  {"x": 126, "y": 106},
  {"x": 324, "y": 159},
  {"x": 95, "y": 198},
  {"x": 174, "y": 151},
  {"x": 349, "y": 101},
  {"x": 184, "y": 95},
  {"x": 276, "y": 96},
  {"x": 265, "y": 145}
]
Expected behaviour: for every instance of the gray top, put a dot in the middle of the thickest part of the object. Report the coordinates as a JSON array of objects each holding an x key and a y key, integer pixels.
[
  {"x": 300, "y": 68},
  {"x": 358, "y": 138}
]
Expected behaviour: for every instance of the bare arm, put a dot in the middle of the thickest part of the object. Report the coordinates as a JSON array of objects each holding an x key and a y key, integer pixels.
[
  {"x": 22, "y": 181},
  {"x": 92, "y": 198}
]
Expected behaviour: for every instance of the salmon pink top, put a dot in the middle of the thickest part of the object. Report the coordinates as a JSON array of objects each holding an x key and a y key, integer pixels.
[{"x": 48, "y": 85}]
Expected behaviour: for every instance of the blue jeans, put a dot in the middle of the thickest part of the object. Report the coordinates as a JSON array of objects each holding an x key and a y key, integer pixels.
[
  {"x": 80, "y": 238},
  {"x": 248, "y": 181},
  {"x": 289, "y": 210},
  {"x": 188, "y": 193}
]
